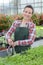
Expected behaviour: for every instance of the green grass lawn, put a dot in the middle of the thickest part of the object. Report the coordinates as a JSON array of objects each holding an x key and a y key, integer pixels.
[{"x": 33, "y": 56}]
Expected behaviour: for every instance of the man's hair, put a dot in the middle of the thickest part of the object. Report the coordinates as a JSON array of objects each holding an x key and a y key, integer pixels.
[{"x": 29, "y": 6}]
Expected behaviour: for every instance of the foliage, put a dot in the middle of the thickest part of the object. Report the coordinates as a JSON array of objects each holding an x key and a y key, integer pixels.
[
  {"x": 36, "y": 19},
  {"x": 39, "y": 31},
  {"x": 30, "y": 57},
  {"x": 18, "y": 17},
  {"x": 41, "y": 19},
  {"x": 41, "y": 16},
  {"x": 5, "y": 22}
]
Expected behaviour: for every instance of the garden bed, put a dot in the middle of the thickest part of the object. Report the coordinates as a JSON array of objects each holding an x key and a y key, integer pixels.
[{"x": 33, "y": 56}]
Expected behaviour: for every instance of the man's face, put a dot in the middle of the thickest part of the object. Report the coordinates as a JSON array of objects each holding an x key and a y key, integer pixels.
[{"x": 27, "y": 13}]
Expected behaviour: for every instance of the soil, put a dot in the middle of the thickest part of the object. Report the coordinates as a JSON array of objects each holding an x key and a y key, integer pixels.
[{"x": 2, "y": 48}]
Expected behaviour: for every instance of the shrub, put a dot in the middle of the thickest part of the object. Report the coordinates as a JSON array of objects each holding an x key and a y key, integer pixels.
[
  {"x": 5, "y": 22},
  {"x": 18, "y": 17},
  {"x": 36, "y": 18},
  {"x": 41, "y": 19}
]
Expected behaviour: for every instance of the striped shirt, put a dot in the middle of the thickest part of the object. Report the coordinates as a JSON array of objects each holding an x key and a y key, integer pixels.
[{"x": 32, "y": 32}]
